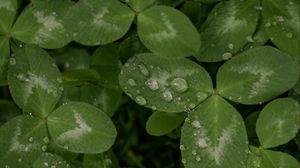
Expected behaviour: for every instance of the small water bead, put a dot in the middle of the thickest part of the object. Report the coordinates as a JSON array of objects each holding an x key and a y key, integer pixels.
[
  {"x": 141, "y": 100},
  {"x": 46, "y": 164},
  {"x": 192, "y": 105},
  {"x": 131, "y": 82},
  {"x": 198, "y": 158},
  {"x": 183, "y": 161},
  {"x": 179, "y": 84},
  {"x": 226, "y": 56},
  {"x": 250, "y": 39},
  {"x": 66, "y": 147},
  {"x": 196, "y": 124},
  {"x": 12, "y": 61},
  {"x": 143, "y": 69},
  {"x": 230, "y": 46},
  {"x": 152, "y": 84},
  {"x": 30, "y": 139},
  {"x": 167, "y": 96},
  {"x": 289, "y": 35},
  {"x": 20, "y": 160},
  {"x": 201, "y": 143},
  {"x": 268, "y": 24},
  {"x": 280, "y": 18},
  {"x": 182, "y": 147},
  {"x": 194, "y": 152},
  {"x": 44, "y": 148},
  {"x": 46, "y": 140}
]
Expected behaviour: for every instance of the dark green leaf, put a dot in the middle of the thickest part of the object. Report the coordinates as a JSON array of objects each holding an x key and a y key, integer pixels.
[
  {"x": 34, "y": 80},
  {"x": 4, "y": 55},
  {"x": 81, "y": 128},
  {"x": 47, "y": 160},
  {"x": 214, "y": 136},
  {"x": 163, "y": 84},
  {"x": 8, "y": 10},
  {"x": 103, "y": 160},
  {"x": 257, "y": 75},
  {"x": 167, "y": 32}
]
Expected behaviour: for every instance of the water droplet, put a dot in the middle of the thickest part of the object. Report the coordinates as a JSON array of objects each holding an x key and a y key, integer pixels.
[
  {"x": 268, "y": 24},
  {"x": 59, "y": 80},
  {"x": 131, "y": 82},
  {"x": 153, "y": 107},
  {"x": 289, "y": 35},
  {"x": 250, "y": 39},
  {"x": 44, "y": 148},
  {"x": 46, "y": 140},
  {"x": 46, "y": 164},
  {"x": 152, "y": 84},
  {"x": 198, "y": 158},
  {"x": 143, "y": 69},
  {"x": 141, "y": 100},
  {"x": 201, "y": 96},
  {"x": 192, "y": 105},
  {"x": 230, "y": 46},
  {"x": 196, "y": 124},
  {"x": 182, "y": 147},
  {"x": 226, "y": 56},
  {"x": 280, "y": 18},
  {"x": 20, "y": 45},
  {"x": 167, "y": 96},
  {"x": 258, "y": 7},
  {"x": 12, "y": 61},
  {"x": 183, "y": 161},
  {"x": 66, "y": 147},
  {"x": 194, "y": 152},
  {"x": 26, "y": 149},
  {"x": 179, "y": 84},
  {"x": 20, "y": 160},
  {"x": 212, "y": 45},
  {"x": 30, "y": 139}
]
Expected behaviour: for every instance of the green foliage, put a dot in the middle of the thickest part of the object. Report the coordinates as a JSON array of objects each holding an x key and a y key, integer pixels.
[{"x": 149, "y": 83}]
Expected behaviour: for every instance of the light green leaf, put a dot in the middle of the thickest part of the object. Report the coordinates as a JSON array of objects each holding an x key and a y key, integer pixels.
[
  {"x": 281, "y": 19},
  {"x": 166, "y": 85},
  {"x": 257, "y": 75},
  {"x": 108, "y": 100},
  {"x": 161, "y": 123},
  {"x": 94, "y": 22},
  {"x": 214, "y": 136},
  {"x": 139, "y": 5},
  {"x": 105, "y": 61},
  {"x": 167, "y": 32},
  {"x": 22, "y": 140},
  {"x": 8, "y": 10},
  {"x": 104, "y": 160},
  {"x": 230, "y": 25},
  {"x": 34, "y": 80},
  {"x": 278, "y": 122},
  {"x": 42, "y": 24},
  {"x": 4, "y": 55},
  {"x": 270, "y": 159},
  {"x": 81, "y": 128},
  {"x": 47, "y": 160}
]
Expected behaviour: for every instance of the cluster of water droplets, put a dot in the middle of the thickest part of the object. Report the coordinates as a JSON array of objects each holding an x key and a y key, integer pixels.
[{"x": 278, "y": 21}]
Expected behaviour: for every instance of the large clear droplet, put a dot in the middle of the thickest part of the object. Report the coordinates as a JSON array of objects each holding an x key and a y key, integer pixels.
[
  {"x": 152, "y": 84},
  {"x": 167, "y": 96},
  {"x": 131, "y": 82},
  {"x": 143, "y": 69},
  {"x": 141, "y": 100},
  {"x": 179, "y": 85}
]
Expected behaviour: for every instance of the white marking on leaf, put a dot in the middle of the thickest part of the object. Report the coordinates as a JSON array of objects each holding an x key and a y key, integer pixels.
[
  {"x": 259, "y": 85},
  {"x": 50, "y": 25},
  {"x": 169, "y": 33},
  {"x": 101, "y": 23},
  {"x": 77, "y": 132},
  {"x": 6, "y": 4},
  {"x": 35, "y": 81},
  {"x": 15, "y": 142}
]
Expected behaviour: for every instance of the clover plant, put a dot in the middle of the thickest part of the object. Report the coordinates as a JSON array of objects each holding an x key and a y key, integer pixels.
[{"x": 149, "y": 83}]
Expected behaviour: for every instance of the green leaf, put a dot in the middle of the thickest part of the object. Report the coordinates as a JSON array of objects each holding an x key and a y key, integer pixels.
[
  {"x": 282, "y": 24},
  {"x": 270, "y": 159},
  {"x": 161, "y": 123},
  {"x": 278, "y": 122},
  {"x": 163, "y": 84},
  {"x": 8, "y": 10},
  {"x": 22, "y": 140},
  {"x": 78, "y": 77},
  {"x": 81, "y": 128},
  {"x": 8, "y": 110},
  {"x": 94, "y": 22},
  {"x": 108, "y": 100},
  {"x": 4, "y": 54},
  {"x": 42, "y": 23},
  {"x": 167, "y": 32},
  {"x": 47, "y": 160},
  {"x": 68, "y": 156},
  {"x": 105, "y": 61},
  {"x": 251, "y": 128},
  {"x": 214, "y": 136},
  {"x": 139, "y": 5},
  {"x": 257, "y": 75},
  {"x": 34, "y": 80},
  {"x": 230, "y": 25},
  {"x": 104, "y": 160}
]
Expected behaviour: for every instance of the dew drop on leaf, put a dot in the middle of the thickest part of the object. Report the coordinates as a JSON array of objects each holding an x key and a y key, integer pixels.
[
  {"x": 179, "y": 85},
  {"x": 131, "y": 82},
  {"x": 143, "y": 69},
  {"x": 230, "y": 46},
  {"x": 226, "y": 55},
  {"x": 289, "y": 35},
  {"x": 167, "y": 96},
  {"x": 152, "y": 84},
  {"x": 12, "y": 61},
  {"x": 141, "y": 100}
]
